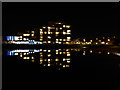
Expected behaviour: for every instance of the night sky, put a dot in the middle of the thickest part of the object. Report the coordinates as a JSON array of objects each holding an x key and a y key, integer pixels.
[{"x": 86, "y": 19}]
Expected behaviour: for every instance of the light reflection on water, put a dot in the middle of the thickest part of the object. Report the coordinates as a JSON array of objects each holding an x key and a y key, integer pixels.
[{"x": 53, "y": 57}]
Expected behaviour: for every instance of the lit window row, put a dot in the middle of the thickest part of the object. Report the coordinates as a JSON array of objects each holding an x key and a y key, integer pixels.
[{"x": 26, "y": 34}]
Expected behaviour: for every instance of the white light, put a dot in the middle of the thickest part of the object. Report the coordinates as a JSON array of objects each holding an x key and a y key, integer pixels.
[
  {"x": 102, "y": 42},
  {"x": 48, "y": 27}
]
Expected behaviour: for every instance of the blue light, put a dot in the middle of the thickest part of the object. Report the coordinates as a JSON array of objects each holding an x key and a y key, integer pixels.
[
  {"x": 8, "y": 37},
  {"x": 8, "y": 53}
]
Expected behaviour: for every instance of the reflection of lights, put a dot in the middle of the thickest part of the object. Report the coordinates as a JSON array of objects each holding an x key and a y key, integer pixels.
[
  {"x": 106, "y": 43},
  {"x": 48, "y": 64},
  {"x": 63, "y": 66},
  {"x": 68, "y": 61},
  {"x": 67, "y": 65},
  {"x": 49, "y": 55},
  {"x": 26, "y": 57},
  {"x": 118, "y": 54},
  {"x": 32, "y": 60},
  {"x": 96, "y": 43},
  {"x": 48, "y": 60}
]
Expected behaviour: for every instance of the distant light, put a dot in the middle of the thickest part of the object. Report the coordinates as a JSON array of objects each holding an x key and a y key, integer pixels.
[
  {"x": 108, "y": 39},
  {"x": 96, "y": 38},
  {"x": 90, "y": 51},
  {"x": 108, "y": 52},
  {"x": 102, "y": 42},
  {"x": 44, "y": 27},
  {"x": 96, "y": 43},
  {"x": 64, "y": 26},
  {"x": 48, "y": 27}
]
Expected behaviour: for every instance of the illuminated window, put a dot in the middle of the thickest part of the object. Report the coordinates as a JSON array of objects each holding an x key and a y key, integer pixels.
[
  {"x": 64, "y": 26},
  {"x": 41, "y": 39},
  {"x": 56, "y": 39},
  {"x": 67, "y": 49},
  {"x": 32, "y": 60},
  {"x": 56, "y": 28},
  {"x": 41, "y": 36},
  {"x": 24, "y": 53},
  {"x": 67, "y": 65},
  {"x": 45, "y": 60},
  {"x": 64, "y": 52},
  {"x": 59, "y": 42},
  {"x": 56, "y": 52},
  {"x": 106, "y": 43},
  {"x": 60, "y": 39},
  {"x": 44, "y": 41},
  {"x": 64, "y": 32},
  {"x": 49, "y": 37},
  {"x": 32, "y": 32},
  {"x": 68, "y": 54},
  {"x": 26, "y": 57},
  {"x": 49, "y": 50},
  {"x": 45, "y": 32},
  {"x": 67, "y": 42},
  {"x": 51, "y": 32},
  {"x": 56, "y": 59},
  {"x": 60, "y": 52},
  {"x": 52, "y": 27},
  {"x": 102, "y": 42},
  {"x": 49, "y": 55},
  {"x": 96, "y": 38},
  {"x": 64, "y": 59},
  {"x": 44, "y": 50},
  {"x": 96, "y": 43},
  {"x": 90, "y": 40},
  {"x": 26, "y": 34},
  {"x": 49, "y": 41},
  {"x": 41, "y": 53},
  {"x": 108, "y": 39},
  {"x": 48, "y": 64},
  {"x": 20, "y": 36},
  {"x": 64, "y": 39},
  {"x": 68, "y": 61},
  {"x": 84, "y": 40},
  {"x": 48, "y": 60},
  {"x": 48, "y": 32},
  {"x": 48, "y": 27},
  {"x": 68, "y": 31},
  {"x": 63, "y": 66},
  {"x": 60, "y": 28},
  {"x": 108, "y": 52},
  {"x": 99, "y": 40},
  {"x": 32, "y": 57},
  {"x": 41, "y": 32},
  {"x": 44, "y": 27},
  {"x": 16, "y": 53},
  {"x": 41, "y": 60},
  {"x": 67, "y": 26},
  {"x": 24, "y": 39},
  {"x": 57, "y": 32},
  {"x": 68, "y": 37}
]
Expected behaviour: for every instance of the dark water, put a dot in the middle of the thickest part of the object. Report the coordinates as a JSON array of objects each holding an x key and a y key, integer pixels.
[{"x": 61, "y": 67}]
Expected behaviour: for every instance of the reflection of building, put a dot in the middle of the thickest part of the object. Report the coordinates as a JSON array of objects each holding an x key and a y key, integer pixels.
[
  {"x": 56, "y": 33},
  {"x": 59, "y": 58}
]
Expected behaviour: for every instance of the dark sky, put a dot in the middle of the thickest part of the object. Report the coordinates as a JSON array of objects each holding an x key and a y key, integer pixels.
[{"x": 87, "y": 19}]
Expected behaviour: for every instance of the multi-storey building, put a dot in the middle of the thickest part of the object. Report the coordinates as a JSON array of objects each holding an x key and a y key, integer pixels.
[{"x": 54, "y": 33}]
